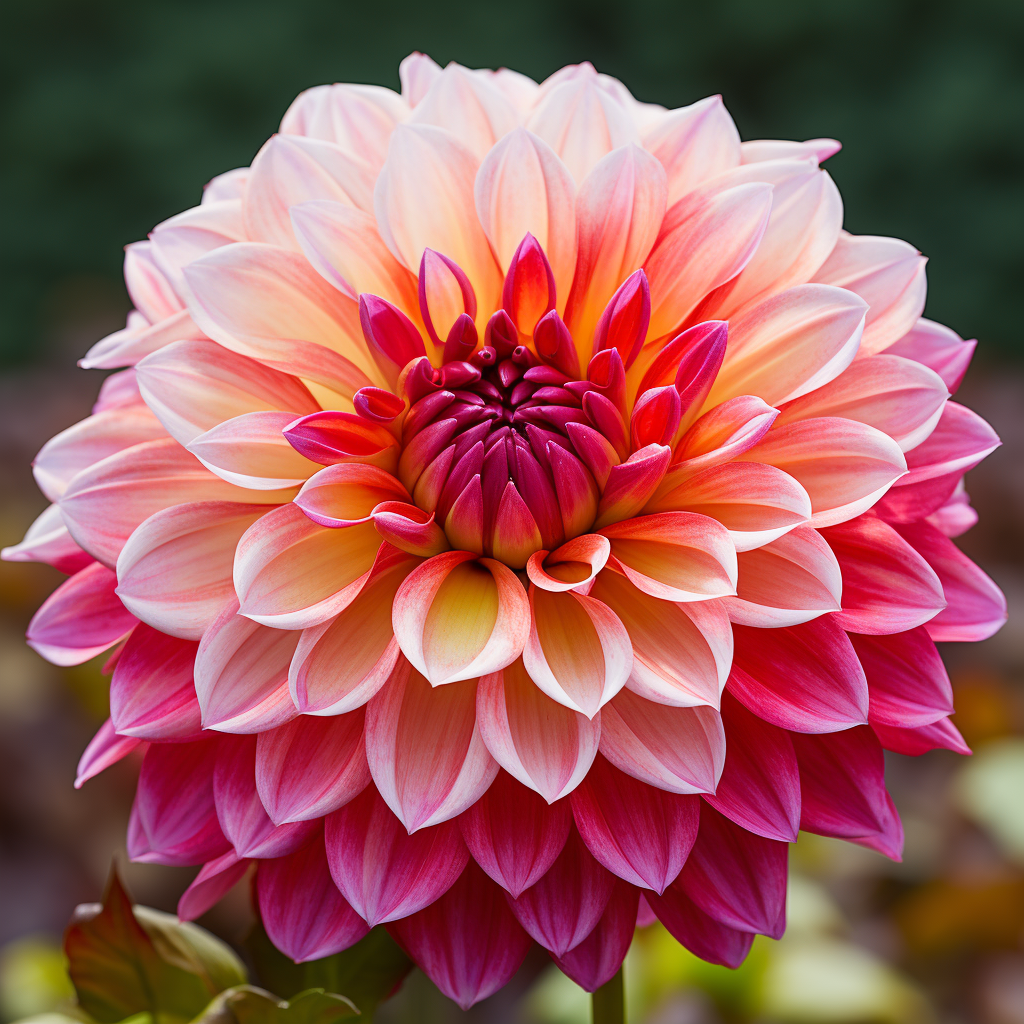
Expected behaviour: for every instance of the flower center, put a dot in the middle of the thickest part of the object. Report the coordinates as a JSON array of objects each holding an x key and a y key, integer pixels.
[{"x": 501, "y": 449}]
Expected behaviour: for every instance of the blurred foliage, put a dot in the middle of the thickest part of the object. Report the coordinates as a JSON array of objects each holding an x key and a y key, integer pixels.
[
  {"x": 33, "y": 978},
  {"x": 115, "y": 113}
]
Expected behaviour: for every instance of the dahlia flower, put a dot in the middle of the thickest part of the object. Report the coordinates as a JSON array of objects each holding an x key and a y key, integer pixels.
[{"x": 519, "y": 510}]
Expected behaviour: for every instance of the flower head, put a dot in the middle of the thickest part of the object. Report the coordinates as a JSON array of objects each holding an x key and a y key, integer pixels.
[{"x": 525, "y": 508}]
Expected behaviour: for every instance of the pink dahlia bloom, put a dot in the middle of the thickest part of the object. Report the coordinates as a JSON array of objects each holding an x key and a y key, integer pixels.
[{"x": 524, "y": 509}]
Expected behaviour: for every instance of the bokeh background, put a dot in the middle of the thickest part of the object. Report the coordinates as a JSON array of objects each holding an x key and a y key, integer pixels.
[{"x": 113, "y": 114}]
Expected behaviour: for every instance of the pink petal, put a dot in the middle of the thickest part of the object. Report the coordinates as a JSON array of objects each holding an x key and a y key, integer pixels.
[
  {"x": 384, "y": 872},
  {"x": 80, "y": 619},
  {"x": 760, "y": 786},
  {"x": 347, "y": 494},
  {"x": 105, "y": 503},
  {"x": 424, "y": 198},
  {"x": 681, "y": 750},
  {"x": 956, "y": 516},
  {"x": 706, "y": 240},
  {"x": 523, "y": 188},
  {"x": 174, "y": 572},
  {"x": 139, "y": 339},
  {"x": 268, "y": 303},
  {"x": 185, "y": 237},
  {"x": 888, "y": 274},
  {"x": 843, "y": 465},
  {"x": 791, "y": 344},
  {"x": 619, "y": 209},
  {"x": 104, "y": 749},
  {"x": 422, "y": 781},
  {"x": 150, "y": 291},
  {"x": 192, "y": 386},
  {"x": 599, "y": 956},
  {"x": 211, "y": 884},
  {"x": 241, "y": 814},
  {"x": 572, "y": 566},
  {"x": 513, "y": 834},
  {"x": 787, "y": 581},
  {"x": 546, "y": 745},
  {"x": 89, "y": 441},
  {"x": 581, "y": 122},
  {"x": 806, "y": 678},
  {"x": 694, "y": 143},
  {"x": 358, "y": 118},
  {"x": 700, "y": 934},
  {"x": 842, "y": 782},
  {"x": 481, "y": 596},
  {"x": 467, "y": 942},
  {"x": 174, "y": 813},
  {"x": 907, "y": 681},
  {"x": 343, "y": 246},
  {"x": 561, "y": 909},
  {"x": 937, "y": 347},
  {"x": 469, "y": 106},
  {"x": 241, "y": 674},
  {"x": 975, "y": 606},
  {"x": 47, "y": 540},
  {"x": 681, "y": 652},
  {"x": 942, "y": 734},
  {"x": 293, "y": 573},
  {"x": 638, "y": 832},
  {"x": 887, "y": 586},
  {"x": 289, "y": 170},
  {"x": 308, "y": 767},
  {"x": 152, "y": 692},
  {"x": 340, "y": 665},
  {"x": 901, "y": 398},
  {"x": 300, "y": 907},
  {"x": 675, "y": 556},
  {"x": 736, "y": 877}
]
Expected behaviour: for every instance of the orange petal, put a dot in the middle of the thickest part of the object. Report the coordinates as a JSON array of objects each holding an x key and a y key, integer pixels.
[
  {"x": 346, "y": 494},
  {"x": 458, "y": 616},
  {"x": 293, "y": 573},
  {"x": 571, "y": 566},
  {"x": 578, "y": 652},
  {"x": 681, "y": 652},
  {"x": 677, "y": 556},
  {"x": 791, "y": 580}
]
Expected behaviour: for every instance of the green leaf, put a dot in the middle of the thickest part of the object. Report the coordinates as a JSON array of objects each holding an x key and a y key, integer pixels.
[
  {"x": 249, "y": 1005},
  {"x": 367, "y": 973},
  {"x": 124, "y": 962}
]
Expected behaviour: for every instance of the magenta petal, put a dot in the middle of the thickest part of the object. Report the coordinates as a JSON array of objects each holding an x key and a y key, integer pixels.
[
  {"x": 842, "y": 780},
  {"x": 908, "y": 684},
  {"x": 561, "y": 909},
  {"x": 81, "y": 618},
  {"x": 311, "y": 766},
  {"x": 640, "y": 833},
  {"x": 212, "y": 883},
  {"x": 760, "y": 786},
  {"x": 887, "y": 586},
  {"x": 152, "y": 692},
  {"x": 806, "y": 678},
  {"x": 241, "y": 813},
  {"x": 596, "y": 959},
  {"x": 514, "y": 834},
  {"x": 467, "y": 942},
  {"x": 940, "y": 735},
  {"x": 384, "y": 872},
  {"x": 624, "y": 322},
  {"x": 104, "y": 749},
  {"x": 975, "y": 606},
  {"x": 700, "y": 934},
  {"x": 736, "y": 877},
  {"x": 300, "y": 907},
  {"x": 176, "y": 819},
  {"x": 391, "y": 336}
]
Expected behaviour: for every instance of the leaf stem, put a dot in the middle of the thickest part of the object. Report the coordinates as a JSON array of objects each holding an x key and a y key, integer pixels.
[{"x": 608, "y": 1003}]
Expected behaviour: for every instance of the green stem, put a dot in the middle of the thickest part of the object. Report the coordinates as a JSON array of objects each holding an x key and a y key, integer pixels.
[{"x": 609, "y": 1002}]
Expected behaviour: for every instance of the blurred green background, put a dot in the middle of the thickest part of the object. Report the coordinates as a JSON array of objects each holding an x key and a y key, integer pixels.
[{"x": 113, "y": 115}]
